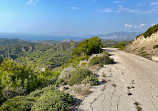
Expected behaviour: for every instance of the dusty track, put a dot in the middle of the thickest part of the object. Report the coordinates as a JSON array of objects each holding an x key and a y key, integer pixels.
[{"x": 132, "y": 86}]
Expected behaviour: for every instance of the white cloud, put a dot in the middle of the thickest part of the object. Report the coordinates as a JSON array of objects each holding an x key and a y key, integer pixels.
[
  {"x": 153, "y": 3},
  {"x": 142, "y": 25},
  {"x": 134, "y": 26},
  {"x": 33, "y": 2},
  {"x": 128, "y": 26},
  {"x": 75, "y": 8},
  {"x": 122, "y": 9},
  {"x": 136, "y": 11},
  {"x": 118, "y": 2}
]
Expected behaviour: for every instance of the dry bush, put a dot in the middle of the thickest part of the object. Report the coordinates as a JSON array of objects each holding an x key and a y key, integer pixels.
[
  {"x": 83, "y": 90},
  {"x": 66, "y": 73}
]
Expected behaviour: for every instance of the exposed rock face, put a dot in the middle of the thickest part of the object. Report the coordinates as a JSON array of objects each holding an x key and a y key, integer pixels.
[
  {"x": 147, "y": 47},
  {"x": 155, "y": 58}
]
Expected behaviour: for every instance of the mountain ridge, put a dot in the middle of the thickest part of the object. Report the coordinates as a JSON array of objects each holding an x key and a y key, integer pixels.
[{"x": 119, "y": 36}]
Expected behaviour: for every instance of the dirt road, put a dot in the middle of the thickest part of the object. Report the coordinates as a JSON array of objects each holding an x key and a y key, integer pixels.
[{"x": 132, "y": 85}]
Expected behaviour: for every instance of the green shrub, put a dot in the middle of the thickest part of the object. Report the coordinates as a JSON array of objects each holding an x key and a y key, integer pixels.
[
  {"x": 74, "y": 61},
  {"x": 94, "y": 61},
  {"x": 144, "y": 54},
  {"x": 103, "y": 60},
  {"x": 83, "y": 64},
  {"x": 84, "y": 50},
  {"x": 104, "y": 52},
  {"x": 46, "y": 99},
  {"x": 60, "y": 82},
  {"x": 39, "y": 92},
  {"x": 19, "y": 103},
  {"x": 48, "y": 77},
  {"x": 88, "y": 47},
  {"x": 17, "y": 79},
  {"x": 49, "y": 74},
  {"x": 92, "y": 79},
  {"x": 78, "y": 76},
  {"x": 53, "y": 101},
  {"x": 121, "y": 45}
]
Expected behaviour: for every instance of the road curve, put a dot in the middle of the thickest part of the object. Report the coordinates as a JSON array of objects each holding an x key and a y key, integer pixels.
[{"x": 132, "y": 85}]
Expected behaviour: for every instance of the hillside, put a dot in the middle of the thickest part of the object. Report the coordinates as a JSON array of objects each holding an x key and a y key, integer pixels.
[
  {"x": 146, "y": 44},
  {"x": 5, "y": 41},
  {"x": 47, "y": 41},
  {"x": 48, "y": 55},
  {"x": 35, "y": 79}
]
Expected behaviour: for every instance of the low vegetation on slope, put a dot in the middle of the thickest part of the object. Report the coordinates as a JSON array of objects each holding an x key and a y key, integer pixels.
[
  {"x": 85, "y": 49},
  {"x": 103, "y": 60},
  {"x": 150, "y": 31},
  {"x": 83, "y": 76},
  {"x": 17, "y": 79},
  {"x": 23, "y": 87},
  {"x": 90, "y": 47},
  {"x": 42, "y": 55},
  {"x": 46, "y": 99}
]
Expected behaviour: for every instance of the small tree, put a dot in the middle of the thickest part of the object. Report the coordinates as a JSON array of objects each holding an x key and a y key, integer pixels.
[
  {"x": 17, "y": 79},
  {"x": 89, "y": 47}
]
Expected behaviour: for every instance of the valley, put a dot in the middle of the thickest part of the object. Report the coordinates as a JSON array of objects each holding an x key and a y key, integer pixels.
[
  {"x": 78, "y": 55},
  {"x": 90, "y": 75}
]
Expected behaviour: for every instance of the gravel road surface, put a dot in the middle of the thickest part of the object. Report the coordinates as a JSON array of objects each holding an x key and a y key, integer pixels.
[{"x": 132, "y": 85}]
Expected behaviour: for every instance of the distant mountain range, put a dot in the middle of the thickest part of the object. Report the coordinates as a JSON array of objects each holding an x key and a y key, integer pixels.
[
  {"x": 47, "y": 41},
  {"x": 119, "y": 36},
  {"x": 22, "y": 39},
  {"x": 38, "y": 37}
]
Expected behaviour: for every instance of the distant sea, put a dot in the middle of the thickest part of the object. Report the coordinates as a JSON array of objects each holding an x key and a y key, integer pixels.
[{"x": 37, "y": 37}]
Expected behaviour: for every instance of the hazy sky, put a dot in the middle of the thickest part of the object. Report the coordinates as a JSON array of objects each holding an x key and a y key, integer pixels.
[{"x": 76, "y": 17}]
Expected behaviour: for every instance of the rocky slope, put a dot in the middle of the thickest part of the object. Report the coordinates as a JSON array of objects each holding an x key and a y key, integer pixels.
[{"x": 145, "y": 46}]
